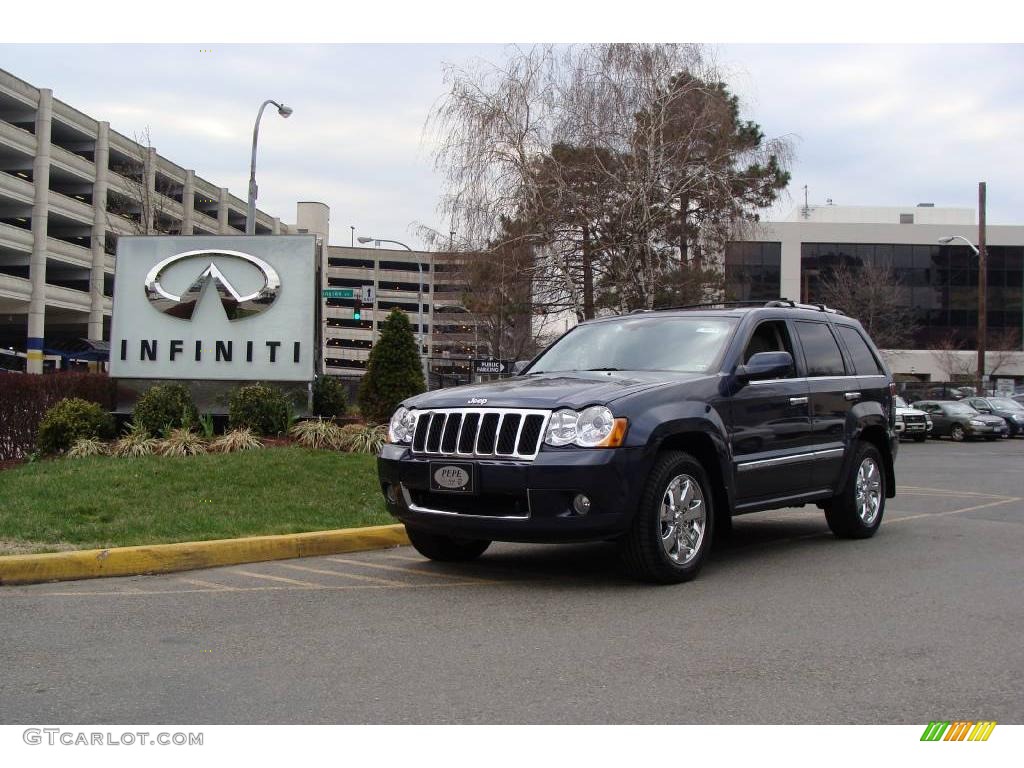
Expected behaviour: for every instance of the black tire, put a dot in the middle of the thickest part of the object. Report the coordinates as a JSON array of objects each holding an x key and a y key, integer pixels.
[
  {"x": 957, "y": 434},
  {"x": 920, "y": 438},
  {"x": 445, "y": 549},
  {"x": 843, "y": 513},
  {"x": 643, "y": 553},
  {"x": 991, "y": 438}
]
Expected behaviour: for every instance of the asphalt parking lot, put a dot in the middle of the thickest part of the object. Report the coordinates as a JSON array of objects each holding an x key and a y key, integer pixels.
[{"x": 785, "y": 625}]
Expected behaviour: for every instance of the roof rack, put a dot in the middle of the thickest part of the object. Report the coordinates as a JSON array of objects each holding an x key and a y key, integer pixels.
[
  {"x": 797, "y": 305},
  {"x": 722, "y": 304},
  {"x": 749, "y": 303}
]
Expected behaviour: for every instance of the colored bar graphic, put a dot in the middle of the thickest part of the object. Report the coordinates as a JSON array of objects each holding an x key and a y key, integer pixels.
[
  {"x": 934, "y": 731},
  {"x": 958, "y": 731},
  {"x": 982, "y": 730}
]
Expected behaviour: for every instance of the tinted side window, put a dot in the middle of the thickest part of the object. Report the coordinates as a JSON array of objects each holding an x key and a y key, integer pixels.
[
  {"x": 770, "y": 336},
  {"x": 863, "y": 359},
  {"x": 820, "y": 350}
]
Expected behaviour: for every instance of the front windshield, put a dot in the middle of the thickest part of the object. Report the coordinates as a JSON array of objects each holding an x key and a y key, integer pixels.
[
  {"x": 1005, "y": 404},
  {"x": 960, "y": 409},
  {"x": 687, "y": 344}
]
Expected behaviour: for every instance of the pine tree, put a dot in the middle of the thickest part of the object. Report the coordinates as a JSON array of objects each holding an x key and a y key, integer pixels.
[{"x": 393, "y": 372}]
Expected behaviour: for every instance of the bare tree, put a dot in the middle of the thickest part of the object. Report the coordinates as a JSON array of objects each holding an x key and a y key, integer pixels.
[
  {"x": 874, "y": 296},
  {"x": 947, "y": 353},
  {"x": 148, "y": 202},
  {"x": 627, "y": 163},
  {"x": 1004, "y": 350}
]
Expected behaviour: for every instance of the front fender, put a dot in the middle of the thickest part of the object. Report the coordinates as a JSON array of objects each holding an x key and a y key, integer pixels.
[{"x": 697, "y": 428}]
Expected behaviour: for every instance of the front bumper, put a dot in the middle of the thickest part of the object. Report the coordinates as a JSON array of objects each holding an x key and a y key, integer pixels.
[
  {"x": 908, "y": 429},
  {"x": 986, "y": 430},
  {"x": 529, "y": 501}
]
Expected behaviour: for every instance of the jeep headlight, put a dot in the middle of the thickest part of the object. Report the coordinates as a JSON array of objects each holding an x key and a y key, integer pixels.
[
  {"x": 401, "y": 426},
  {"x": 593, "y": 427}
]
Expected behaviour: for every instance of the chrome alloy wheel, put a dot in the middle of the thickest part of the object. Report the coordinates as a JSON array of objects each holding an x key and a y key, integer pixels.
[
  {"x": 683, "y": 519},
  {"x": 868, "y": 491}
]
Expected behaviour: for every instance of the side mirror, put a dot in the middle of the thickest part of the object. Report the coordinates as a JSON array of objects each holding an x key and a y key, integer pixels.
[
  {"x": 766, "y": 365},
  {"x": 518, "y": 366}
]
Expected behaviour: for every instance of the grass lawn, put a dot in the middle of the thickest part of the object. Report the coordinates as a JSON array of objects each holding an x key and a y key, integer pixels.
[{"x": 111, "y": 502}]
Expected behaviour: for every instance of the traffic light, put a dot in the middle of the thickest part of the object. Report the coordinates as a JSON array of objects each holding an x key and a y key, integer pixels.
[{"x": 357, "y": 310}]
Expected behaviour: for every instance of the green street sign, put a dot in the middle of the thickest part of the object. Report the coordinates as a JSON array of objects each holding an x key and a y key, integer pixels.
[{"x": 339, "y": 293}]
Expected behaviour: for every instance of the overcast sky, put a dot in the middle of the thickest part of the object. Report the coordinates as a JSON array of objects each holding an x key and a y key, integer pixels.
[{"x": 873, "y": 125}]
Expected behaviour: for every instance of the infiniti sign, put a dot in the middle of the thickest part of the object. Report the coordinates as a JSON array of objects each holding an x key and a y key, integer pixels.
[
  {"x": 235, "y": 305},
  {"x": 215, "y": 307}
]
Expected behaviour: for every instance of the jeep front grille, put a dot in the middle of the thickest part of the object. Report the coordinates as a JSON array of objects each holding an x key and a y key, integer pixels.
[{"x": 513, "y": 433}]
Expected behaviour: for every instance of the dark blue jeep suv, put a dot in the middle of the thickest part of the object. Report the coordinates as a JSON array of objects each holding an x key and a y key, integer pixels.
[{"x": 652, "y": 429}]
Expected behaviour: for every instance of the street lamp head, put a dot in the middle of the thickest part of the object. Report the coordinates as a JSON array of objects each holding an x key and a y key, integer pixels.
[
  {"x": 365, "y": 240},
  {"x": 946, "y": 240},
  {"x": 284, "y": 111}
]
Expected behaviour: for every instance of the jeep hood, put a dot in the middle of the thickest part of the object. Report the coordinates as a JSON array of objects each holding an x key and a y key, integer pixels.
[{"x": 575, "y": 389}]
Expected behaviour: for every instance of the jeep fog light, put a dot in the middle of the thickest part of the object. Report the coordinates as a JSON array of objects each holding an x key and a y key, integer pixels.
[{"x": 581, "y": 504}]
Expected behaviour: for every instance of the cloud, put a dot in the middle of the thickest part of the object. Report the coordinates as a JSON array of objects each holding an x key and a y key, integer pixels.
[{"x": 876, "y": 124}]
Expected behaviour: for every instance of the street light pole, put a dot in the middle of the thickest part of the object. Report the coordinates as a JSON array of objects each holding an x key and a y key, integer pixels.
[
  {"x": 419, "y": 302},
  {"x": 250, "y": 219},
  {"x": 982, "y": 282}
]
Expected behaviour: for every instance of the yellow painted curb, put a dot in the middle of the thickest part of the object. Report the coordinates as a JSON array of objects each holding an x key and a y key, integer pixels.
[{"x": 189, "y": 555}]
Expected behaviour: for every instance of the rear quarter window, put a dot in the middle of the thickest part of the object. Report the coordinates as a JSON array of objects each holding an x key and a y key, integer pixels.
[
  {"x": 864, "y": 360},
  {"x": 821, "y": 351}
]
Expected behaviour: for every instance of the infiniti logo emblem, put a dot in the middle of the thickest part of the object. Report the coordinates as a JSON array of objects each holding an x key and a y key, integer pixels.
[{"x": 236, "y": 306}]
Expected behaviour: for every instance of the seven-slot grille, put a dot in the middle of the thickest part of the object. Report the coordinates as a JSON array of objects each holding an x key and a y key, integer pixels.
[{"x": 514, "y": 433}]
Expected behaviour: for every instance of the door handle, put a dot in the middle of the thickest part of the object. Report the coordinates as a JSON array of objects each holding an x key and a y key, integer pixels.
[
  {"x": 798, "y": 401},
  {"x": 852, "y": 395}
]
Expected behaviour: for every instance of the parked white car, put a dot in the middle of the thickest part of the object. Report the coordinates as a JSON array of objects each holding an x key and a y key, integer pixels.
[{"x": 911, "y": 422}]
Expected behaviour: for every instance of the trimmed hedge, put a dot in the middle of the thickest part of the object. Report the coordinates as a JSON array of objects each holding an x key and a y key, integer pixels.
[
  {"x": 25, "y": 398},
  {"x": 71, "y": 420},
  {"x": 262, "y": 409},
  {"x": 164, "y": 408}
]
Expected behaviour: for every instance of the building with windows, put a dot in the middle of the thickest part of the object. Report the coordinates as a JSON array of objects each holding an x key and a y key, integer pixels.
[
  {"x": 69, "y": 186},
  {"x": 940, "y": 282},
  {"x": 407, "y": 280}
]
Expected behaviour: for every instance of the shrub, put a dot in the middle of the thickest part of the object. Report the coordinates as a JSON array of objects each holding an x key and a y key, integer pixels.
[
  {"x": 182, "y": 442},
  {"x": 264, "y": 410},
  {"x": 25, "y": 399},
  {"x": 330, "y": 398},
  {"x": 135, "y": 442},
  {"x": 206, "y": 426},
  {"x": 70, "y": 420},
  {"x": 87, "y": 446},
  {"x": 317, "y": 433},
  {"x": 363, "y": 438},
  {"x": 165, "y": 407},
  {"x": 235, "y": 440},
  {"x": 393, "y": 372}
]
